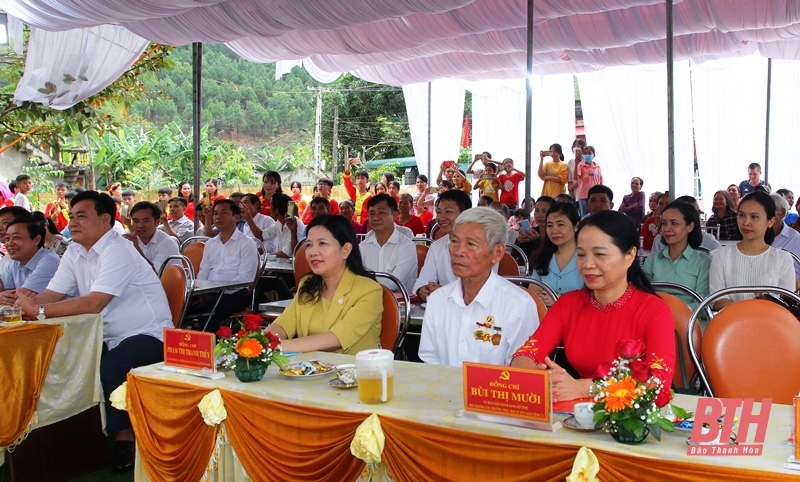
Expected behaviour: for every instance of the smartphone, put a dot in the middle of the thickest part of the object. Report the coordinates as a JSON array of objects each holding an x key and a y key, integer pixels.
[
  {"x": 525, "y": 226},
  {"x": 546, "y": 153},
  {"x": 291, "y": 210},
  {"x": 123, "y": 210},
  {"x": 434, "y": 189},
  {"x": 487, "y": 177},
  {"x": 206, "y": 201},
  {"x": 449, "y": 163},
  {"x": 162, "y": 205}
]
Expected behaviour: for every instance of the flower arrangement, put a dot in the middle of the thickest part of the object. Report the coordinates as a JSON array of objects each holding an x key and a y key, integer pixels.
[
  {"x": 628, "y": 394},
  {"x": 249, "y": 347}
]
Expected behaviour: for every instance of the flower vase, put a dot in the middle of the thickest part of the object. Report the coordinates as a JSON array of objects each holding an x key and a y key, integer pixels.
[
  {"x": 627, "y": 437},
  {"x": 253, "y": 373}
]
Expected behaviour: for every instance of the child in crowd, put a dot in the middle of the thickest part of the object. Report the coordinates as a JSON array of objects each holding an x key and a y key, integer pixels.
[{"x": 24, "y": 186}]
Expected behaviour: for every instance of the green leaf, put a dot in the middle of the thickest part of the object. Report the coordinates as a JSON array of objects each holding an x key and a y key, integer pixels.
[
  {"x": 655, "y": 429},
  {"x": 666, "y": 424},
  {"x": 681, "y": 413}
]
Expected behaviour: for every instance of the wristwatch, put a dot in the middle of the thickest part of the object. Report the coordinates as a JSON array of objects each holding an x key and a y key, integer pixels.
[{"x": 41, "y": 316}]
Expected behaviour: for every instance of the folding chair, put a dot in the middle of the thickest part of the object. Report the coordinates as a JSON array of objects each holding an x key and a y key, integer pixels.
[
  {"x": 518, "y": 254},
  {"x": 300, "y": 265},
  {"x": 394, "y": 322},
  {"x": 178, "y": 282}
]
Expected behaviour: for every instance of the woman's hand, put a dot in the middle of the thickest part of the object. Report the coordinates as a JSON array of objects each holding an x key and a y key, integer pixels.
[{"x": 563, "y": 386}]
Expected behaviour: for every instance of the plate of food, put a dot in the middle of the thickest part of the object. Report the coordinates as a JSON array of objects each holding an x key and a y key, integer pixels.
[
  {"x": 308, "y": 369},
  {"x": 345, "y": 377}
]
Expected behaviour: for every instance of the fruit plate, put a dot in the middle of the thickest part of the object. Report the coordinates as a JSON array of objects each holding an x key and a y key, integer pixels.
[{"x": 308, "y": 369}]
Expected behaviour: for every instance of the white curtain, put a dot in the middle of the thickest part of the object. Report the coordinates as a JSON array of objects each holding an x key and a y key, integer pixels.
[
  {"x": 447, "y": 111},
  {"x": 730, "y": 117},
  {"x": 498, "y": 119},
  {"x": 784, "y": 170},
  {"x": 63, "y": 68},
  {"x": 625, "y": 117}
]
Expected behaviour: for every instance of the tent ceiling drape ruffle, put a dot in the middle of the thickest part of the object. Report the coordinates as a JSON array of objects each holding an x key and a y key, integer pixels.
[{"x": 412, "y": 41}]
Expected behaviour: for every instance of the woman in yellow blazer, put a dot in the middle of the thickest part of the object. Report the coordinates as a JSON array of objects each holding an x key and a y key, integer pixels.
[{"x": 338, "y": 307}]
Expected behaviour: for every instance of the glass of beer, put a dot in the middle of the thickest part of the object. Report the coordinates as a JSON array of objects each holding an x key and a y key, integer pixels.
[
  {"x": 375, "y": 372},
  {"x": 13, "y": 315}
]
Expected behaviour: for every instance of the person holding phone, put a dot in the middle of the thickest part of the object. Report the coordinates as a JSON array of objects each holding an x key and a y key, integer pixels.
[
  {"x": 359, "y": 193},
  {"x": 287, "y": 229},
  {"x": 489, "y": 184},
  {"x": 554, "y": 173},
  {"x": 58, "y": 210},
  {"x": 509, "y": 180}
]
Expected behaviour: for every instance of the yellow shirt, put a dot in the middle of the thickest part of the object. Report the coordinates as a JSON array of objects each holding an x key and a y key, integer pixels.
[
  {"x": 353, "y": 315},
  {"x": 560, "y": 169}
]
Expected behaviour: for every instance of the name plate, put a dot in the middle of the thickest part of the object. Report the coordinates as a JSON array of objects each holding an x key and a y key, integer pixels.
[
  {"x": 189, "y": 349},
  {"x": 508, "y": 392}
]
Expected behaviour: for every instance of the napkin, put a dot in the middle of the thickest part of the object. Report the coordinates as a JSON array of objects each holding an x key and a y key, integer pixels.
[
  {"x": 368, "y": 441},
  {"x": 585, "y": 467},
  {"x": 213, "y": 408},
  {"x": 118, "y": 397}
]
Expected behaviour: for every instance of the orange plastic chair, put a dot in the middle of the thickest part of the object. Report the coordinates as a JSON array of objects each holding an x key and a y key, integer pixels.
[
  {"x": 194, "y": 252},
  {"x": 394, "y": 324},
  {"x": 533, "y": 286},
  {"x": 436, "y": 232},
  {"x": 174, "y": 281},
  {"x": 684, "y": 369},
  {"x": 508, "y": 266},
  {"x": 300, "y": 264},
  {"x": 422, "y": 253}
]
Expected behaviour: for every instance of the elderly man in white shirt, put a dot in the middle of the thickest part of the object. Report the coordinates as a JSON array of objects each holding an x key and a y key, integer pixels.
[
  {"x": 256, "y": 223},
  {"x": 287, "y": 231},
  {"x": 155, "y": 245},
  {"x": 111, "y": 279},
  {"x": 180, "y": 226},
  {"x": 385, "y": 249},
  {"x": 230, "y": 256},
  {"x": 480, "y": 317},
  {"x": 785, "y": 237},
  {"x": 436, "y": 271}
]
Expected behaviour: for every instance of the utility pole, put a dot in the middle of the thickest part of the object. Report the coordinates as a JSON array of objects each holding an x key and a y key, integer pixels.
[
  {"x": 318, "y": 134},
  {"x": 335, "y": 139}
]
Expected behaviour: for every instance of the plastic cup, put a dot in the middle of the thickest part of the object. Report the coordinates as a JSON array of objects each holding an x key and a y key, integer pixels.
[
  {"x": 375, "y": 372},
  {"x": 584, "y": 414},
  {"x": 13, "y": 315}
]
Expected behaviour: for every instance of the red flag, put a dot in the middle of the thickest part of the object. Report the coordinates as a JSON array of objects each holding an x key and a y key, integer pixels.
[{"x": 465, "y": 132}]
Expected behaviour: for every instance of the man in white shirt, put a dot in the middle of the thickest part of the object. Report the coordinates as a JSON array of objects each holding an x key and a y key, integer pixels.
[
  {"x": 155, "y": 245},
  {"x": 436, "y": 271},
  {"x": 25, "y": 185},
  {"x": 254, "y": 222},
  {"x": 287, "y": 231},
  {"x": 479, "y": 317},
  {"x": 180, "y": 227},
  {"x": 111, "y": 279},
  {"x": 230, "y": 256},
  {"x": 785, "y": 237},
  {"x": 32, "y": 266},
  {"x": 385, "y": 249}
]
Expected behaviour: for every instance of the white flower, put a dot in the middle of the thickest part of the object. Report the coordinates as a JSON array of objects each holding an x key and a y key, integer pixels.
[
  {"x": 118, "y": 397},
  {"x": 213, "y": 408}
]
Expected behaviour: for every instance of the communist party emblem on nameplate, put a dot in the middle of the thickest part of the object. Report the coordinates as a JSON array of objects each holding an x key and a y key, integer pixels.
[{"x": 484, "y": 333}]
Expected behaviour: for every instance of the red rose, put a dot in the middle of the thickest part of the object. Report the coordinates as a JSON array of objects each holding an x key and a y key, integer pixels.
[
  {"x": 602, "y": 371},
  {"x": 272, "y": 336},
  {"x": 663, "y": 397},
  {"x": 224, "y": 332},
  {"x": 241, "y": 333},
  {"x": 630, "y": 349},
  {"x": 640, "y": 370},
  {"x": 252, "y": 322},
  {"x": 658, "y": 367},
  {"x": 273, "y": 344}
]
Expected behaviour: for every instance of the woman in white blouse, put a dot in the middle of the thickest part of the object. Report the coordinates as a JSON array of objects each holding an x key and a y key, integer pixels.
[{"x": 752, "y": 261}]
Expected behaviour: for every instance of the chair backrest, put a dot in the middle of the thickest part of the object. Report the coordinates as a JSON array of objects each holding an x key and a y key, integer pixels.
[
  {"x": 519, "y": 255},
  {"x": 436, "y": 232},
  {"x": 751, "y": 348},
  {"x": 194, "y": 252},
  {"x": 394, "y": 322},
  {"x": 300, "y": 265},
  {"x": 533, "y": 287},
  {"x": 193, "y": 239},
  {"x": 422, "y": 253},
  {"x": 262, "y": 262},
  {"x": 795, "y": 264},
  {"x": 684, "y": 368},
  {"x": 508, "y": 266},
  {"x": 177, "y": 282}
]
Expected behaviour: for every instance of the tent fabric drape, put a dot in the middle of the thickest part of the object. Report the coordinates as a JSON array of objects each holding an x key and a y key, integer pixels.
[
  {"x": 730, "y": 116},
  {"x": 783, "y": 171},
  {"x": 625, "y": 114},
  {"x": 63, "y": 68},
  {"x": 416, "y": 41},
  {"x": 447, "y": 107}
]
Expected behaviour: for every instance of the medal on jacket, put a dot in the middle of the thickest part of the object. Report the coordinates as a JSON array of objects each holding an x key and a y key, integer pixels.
[{"x": 484, "y": 334}]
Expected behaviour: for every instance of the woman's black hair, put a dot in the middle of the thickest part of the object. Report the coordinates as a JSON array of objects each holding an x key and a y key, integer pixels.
[
  {"x": 625, "y": 236},
  {"x": 48, "y": 223},
  {"x": 690, "y": 215},
  {"x": 310, "y": 290},
  {"x": 275, "y": 176},
  {"x": 768, "y": 204},
  {"x": 294, "y": 183},
  {"x": 542, "y": 257},
  {"x": 557, "y": 148},
  {"x": 191, "y": 196}
]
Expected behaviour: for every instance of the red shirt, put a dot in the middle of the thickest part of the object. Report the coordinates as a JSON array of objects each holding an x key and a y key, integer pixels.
[
  {"x": 425, "y": 217},
  {"x": 590, "y": 334},
  {"x": 414, "y": 224},
  {"x": 509, "y": 193},
  {"x": 650, "y": 227}
]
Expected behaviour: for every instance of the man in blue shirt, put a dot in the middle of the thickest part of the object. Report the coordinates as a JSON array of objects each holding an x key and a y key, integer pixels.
[
  {"x": 753, "y": 179},
  {"x": 31, "y": 266}
]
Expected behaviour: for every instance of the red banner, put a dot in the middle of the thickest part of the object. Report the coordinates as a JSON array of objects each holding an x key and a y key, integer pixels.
[
  {"x": 507, "y": 391},
  {"x": 189, "y": 349}
]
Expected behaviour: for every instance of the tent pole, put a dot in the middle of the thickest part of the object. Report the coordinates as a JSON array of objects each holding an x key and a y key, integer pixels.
[
  {"x": 670, "y": 106},
  {"x": 197, "y": 68},
  {"x": 766, "y": 133},
  {"x": 429, "y": 134},
  {"x": 528, "y": 104}
]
